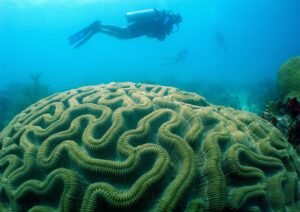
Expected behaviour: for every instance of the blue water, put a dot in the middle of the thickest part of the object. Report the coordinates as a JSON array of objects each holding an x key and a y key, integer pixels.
[{"x": 259, "y": 37}]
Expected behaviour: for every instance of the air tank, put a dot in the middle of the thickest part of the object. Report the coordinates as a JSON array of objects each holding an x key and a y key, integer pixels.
[{"x": 141, "y": 15}]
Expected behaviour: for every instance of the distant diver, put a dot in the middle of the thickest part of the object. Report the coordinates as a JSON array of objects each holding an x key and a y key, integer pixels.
[
  {"x": 179, "y": 57},
  {"x": 152, "y": 23},
  {"x": 221, "y": 42}
]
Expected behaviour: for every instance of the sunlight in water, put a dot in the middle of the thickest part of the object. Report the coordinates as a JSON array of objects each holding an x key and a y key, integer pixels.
[
  {"x": 41, "y": 2},
  {"x": 26, "y": 3}
]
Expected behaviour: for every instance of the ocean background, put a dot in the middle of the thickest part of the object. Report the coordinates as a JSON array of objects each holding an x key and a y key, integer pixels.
[{"x": 259, "y": 36}]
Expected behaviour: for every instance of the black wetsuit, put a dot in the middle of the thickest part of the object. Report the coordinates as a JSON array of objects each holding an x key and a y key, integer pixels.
[
  {"x": 158, "y": 28},
  {"x": 157, "y": 25}
]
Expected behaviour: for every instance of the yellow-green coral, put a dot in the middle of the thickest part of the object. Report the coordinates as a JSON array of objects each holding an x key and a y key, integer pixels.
[
  {"x": 126, "y": 146},
  {"x": 288, "y": 79}
]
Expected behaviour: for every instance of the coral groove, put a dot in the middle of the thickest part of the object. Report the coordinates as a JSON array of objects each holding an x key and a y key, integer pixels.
[{"x": 134, "y": 147}]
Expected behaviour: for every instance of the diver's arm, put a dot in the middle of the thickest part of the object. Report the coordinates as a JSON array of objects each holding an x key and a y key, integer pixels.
[{"x": 165, "y": 27}]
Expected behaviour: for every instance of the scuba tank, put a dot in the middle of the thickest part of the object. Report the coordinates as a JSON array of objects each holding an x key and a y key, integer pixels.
[{"x": 141, "y": 15}]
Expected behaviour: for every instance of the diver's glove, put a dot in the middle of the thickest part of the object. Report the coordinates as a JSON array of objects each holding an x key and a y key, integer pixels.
[{"x": 85, "y": 34}]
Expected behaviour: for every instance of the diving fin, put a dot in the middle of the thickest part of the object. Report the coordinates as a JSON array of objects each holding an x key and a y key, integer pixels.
[{"x": 85, "y": 34}]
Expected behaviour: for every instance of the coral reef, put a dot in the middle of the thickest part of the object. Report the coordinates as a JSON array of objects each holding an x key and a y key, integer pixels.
[
  {"x": 4, "y": 107},
  {"x": 247, "y": 96},
  {"x": 286, "y": 117},
  {"x": 131, "y": 147},
  {"x": 17, "y": 96},
  {"x": 285, "y": 113},
  {"x": 288, "y": 79}
]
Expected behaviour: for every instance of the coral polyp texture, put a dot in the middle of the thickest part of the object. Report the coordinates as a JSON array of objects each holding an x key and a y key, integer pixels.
[
  {"x": 139, "y": 147},
  {"x": 288, "y": 79}
]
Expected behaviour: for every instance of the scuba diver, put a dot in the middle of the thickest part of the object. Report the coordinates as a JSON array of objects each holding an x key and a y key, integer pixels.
[
  {"x": 221, "y": 42},
  {"x": 179, "y": 57},
  {"x": 152, "y": 23}
]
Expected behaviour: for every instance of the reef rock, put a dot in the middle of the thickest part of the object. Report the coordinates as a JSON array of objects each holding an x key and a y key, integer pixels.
[
  {"x": 132, "y": 147},
  {"x": 288, "y": 79}
]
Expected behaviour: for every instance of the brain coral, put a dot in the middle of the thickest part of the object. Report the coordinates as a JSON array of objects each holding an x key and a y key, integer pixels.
[
  {"x": 133, "y": 147},
  {"x": 288, "y": 79}
]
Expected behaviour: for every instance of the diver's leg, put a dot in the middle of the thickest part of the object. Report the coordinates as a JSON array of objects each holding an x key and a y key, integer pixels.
[
  {"x": 133, "y": 30},
  {"x": 113, "y": 28},
  {"x": 119, "y": 32}
]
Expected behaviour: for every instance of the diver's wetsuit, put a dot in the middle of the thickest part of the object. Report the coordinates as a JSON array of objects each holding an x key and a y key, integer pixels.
[
  {"x": 159, "y": 25},
  {"x": 157, "y": 28}
]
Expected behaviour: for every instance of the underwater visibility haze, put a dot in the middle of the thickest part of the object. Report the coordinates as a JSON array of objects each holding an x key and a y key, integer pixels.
[
  {"x": 206, "y": 118},
  {"x": 224, "y": 44},
  {"x": 226, "y": 40}
]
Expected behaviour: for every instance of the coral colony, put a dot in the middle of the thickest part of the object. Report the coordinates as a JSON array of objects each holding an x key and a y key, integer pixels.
[
  {"x": 132, "y": 147},
  {"x": 285, "y": 114}
]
